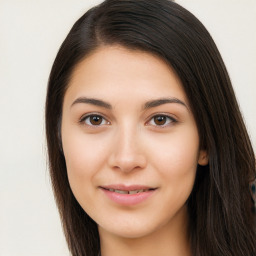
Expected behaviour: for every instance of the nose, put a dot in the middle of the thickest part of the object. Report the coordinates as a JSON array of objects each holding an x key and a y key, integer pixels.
[{"x": 127, "y": 153}]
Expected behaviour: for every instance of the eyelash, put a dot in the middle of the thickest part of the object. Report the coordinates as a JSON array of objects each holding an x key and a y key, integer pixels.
[
  {"x": 83, "y": 119},
  {"x": 171, "y": 121}
]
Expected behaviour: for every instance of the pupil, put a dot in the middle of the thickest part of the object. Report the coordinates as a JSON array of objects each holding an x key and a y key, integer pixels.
[
  {"x": 96, "y": 120},
  {"x": 160, "y": 120}
]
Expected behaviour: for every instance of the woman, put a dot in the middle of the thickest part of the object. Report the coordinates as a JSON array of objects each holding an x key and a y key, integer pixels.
[{"x": 148, "y": 151}]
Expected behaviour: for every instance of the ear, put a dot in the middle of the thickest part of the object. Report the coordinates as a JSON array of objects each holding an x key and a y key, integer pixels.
[{"x": 203, "y": 158}]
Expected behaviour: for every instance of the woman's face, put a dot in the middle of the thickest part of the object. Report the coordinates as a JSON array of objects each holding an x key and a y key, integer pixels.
[{"x": 130, "y": 142}]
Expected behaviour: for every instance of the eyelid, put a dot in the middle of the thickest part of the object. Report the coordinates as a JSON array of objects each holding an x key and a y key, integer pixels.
[
  {"x": 173, "y": 120},
  {"x": 87, "y": 115},
  {"x": 167, "y": 115}
]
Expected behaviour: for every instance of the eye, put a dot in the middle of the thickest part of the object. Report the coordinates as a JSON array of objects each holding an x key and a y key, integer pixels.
[
  {"x": 161, "y": 120},
  {"x": 94, "y": 120}
]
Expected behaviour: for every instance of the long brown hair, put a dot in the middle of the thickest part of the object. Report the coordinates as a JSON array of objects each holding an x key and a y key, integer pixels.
[{"x": 222, "y": 222}]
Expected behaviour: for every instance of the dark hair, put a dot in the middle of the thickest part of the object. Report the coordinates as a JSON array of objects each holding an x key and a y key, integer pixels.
[{"x": 220, "y": 207}]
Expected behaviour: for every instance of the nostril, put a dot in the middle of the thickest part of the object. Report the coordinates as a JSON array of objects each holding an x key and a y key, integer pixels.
[{"x": 127, "y": 163}]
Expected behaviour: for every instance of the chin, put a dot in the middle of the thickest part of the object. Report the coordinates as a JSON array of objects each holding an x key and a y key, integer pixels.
[
  {"x": 133, "y": 233},
  {"x": 129, "y": 231}
]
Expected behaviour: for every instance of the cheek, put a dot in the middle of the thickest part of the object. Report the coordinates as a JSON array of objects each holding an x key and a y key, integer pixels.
[
  {"x": 82, "y": 160},
  {"x": 83, "y": 163},
  {"x": 176, "y": 165},
  {"x": 179, "y": 150},
  {"x": 176, "y": 160}
]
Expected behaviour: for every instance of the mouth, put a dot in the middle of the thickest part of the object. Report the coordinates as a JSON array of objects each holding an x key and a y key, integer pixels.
[
  {"x": 128, "y": 195},
  {"x": 130, "y": 192}
]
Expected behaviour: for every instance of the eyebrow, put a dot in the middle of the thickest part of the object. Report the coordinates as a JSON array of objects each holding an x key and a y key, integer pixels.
[
  {"x": 161, "y": 101},
  {"x": 92, "y": 101},
  {"x": 147, "y": 105}
]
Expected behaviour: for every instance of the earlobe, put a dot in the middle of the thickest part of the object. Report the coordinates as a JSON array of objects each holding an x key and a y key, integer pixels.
[{"x": 203, "y": 158}]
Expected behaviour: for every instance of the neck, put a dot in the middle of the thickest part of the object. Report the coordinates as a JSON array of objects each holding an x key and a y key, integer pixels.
[{"x": 170, "y": 239}]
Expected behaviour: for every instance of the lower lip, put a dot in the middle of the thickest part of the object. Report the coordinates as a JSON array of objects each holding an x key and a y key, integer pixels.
[{"x": 128, "y": 199}]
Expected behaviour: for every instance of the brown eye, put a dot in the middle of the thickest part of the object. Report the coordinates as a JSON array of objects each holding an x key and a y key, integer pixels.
[
  {"x": 160, "y": 120},
  {"x": 94, "y": 120}
]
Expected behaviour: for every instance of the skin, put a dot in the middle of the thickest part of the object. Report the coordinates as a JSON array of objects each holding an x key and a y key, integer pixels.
[{"x": 129, "y": 146}]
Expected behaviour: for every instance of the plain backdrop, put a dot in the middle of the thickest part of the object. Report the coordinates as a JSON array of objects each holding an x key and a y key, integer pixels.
[{"x": 30, "y": 35}]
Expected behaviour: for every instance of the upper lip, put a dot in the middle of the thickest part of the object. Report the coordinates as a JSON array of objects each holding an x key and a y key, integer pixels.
[{"x": 126, "y": 187}]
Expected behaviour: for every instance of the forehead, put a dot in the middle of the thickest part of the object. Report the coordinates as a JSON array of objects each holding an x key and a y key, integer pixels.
[{"x": 115, "y": 70}]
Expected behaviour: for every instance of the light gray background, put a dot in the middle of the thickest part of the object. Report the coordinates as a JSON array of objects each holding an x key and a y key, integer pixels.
[{"x": 30, "y": 35}]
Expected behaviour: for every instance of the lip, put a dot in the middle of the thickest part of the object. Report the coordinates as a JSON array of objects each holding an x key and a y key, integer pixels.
[
  {"x": 126, "y": 187},
  {"x": 128, "y": 199}
]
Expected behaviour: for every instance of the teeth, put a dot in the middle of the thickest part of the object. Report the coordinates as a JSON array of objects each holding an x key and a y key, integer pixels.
[
  {"x": 131, "y": 192},
  {"x": 137, "y": 191},
  {"x": 121, "y": 191}
]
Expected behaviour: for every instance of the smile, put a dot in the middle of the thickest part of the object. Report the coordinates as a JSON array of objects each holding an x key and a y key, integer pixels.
[
  {"x": 128, "y": 195},
  {"x": 131, "y": 192}
]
